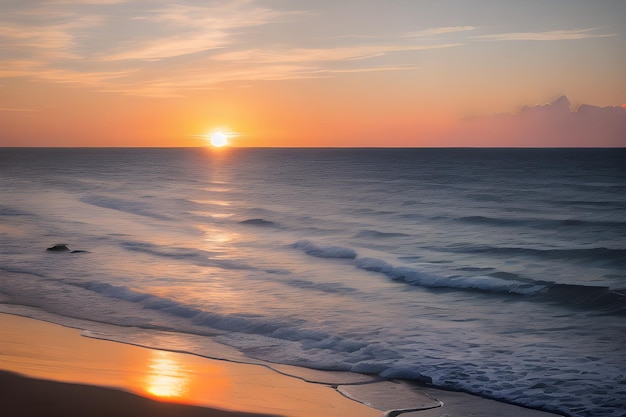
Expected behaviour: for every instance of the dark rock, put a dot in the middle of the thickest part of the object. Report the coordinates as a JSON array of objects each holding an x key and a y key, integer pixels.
[
  {"x": 258, "y": 222},
  {"x": 59, "y": 247}
]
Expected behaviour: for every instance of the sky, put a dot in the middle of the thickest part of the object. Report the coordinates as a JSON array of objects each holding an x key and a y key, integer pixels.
[{"x": 332, "y": 73}]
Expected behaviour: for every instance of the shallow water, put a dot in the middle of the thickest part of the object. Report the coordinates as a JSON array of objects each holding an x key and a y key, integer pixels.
[{"x": 498, "y": 272}]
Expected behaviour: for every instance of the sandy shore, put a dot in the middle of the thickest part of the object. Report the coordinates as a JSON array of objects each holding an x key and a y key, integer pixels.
[
  {"x": 62, "y": 373},
  {"x": 27, "y": 397}
]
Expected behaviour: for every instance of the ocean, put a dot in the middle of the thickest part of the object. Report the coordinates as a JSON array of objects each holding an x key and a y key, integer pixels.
[{"x": 498, "y": 272}]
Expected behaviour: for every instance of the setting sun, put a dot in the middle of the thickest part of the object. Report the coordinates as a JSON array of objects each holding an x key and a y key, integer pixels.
[{"x": 218, "y": 139}]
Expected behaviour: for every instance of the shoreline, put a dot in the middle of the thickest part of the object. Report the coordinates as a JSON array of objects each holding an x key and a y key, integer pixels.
[
  {"x": 54, "y": 362},
  {"x": 47, "y": 351}
]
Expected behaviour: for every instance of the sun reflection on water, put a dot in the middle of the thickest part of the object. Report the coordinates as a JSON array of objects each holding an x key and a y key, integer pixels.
[
  {"x": 166, "y": 378},
  {"x": 181, "y": 378}
]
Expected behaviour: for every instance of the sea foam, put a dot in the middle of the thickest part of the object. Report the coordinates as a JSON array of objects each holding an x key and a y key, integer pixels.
[{"x": 413, "y": 276}]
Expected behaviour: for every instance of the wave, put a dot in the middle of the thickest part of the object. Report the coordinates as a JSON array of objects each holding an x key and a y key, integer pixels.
[
  {"x": 327, "y": 287},
  {"x": 320, "y": 251},
  {"x": 374, "y": 234},
  {"x": 232, "y": 326},
  {"x": 10, "y": 211},
  {"x": 484, "y": 197},
  {"x": 415, "y": 277},
  {"x": 227, "y": 322},
  {"x": 21, "y": 271},
  {"x": 539, "y": 223},
  {"x": 195, "y": 256},
  {"x": 603, "y": 204},
  {"x": 609, "y": 256},
  {"x": 258, "y": 222},
  {"x": 601, "y": 299},
  {"x": 126, "y": 206}
]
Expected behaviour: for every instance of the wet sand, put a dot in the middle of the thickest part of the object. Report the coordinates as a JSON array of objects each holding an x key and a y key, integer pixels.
[{"x": 54, "y": 371}]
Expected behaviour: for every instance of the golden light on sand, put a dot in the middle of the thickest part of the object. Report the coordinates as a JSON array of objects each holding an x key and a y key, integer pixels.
[{"x": 166, "y": 377}]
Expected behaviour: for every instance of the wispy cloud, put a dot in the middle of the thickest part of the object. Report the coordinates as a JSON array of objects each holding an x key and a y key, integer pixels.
[
  {"x": 553, "y": 35},
  {"x": 163, "y": 49},
  {"x": 107, "y": 44},
  {"x": 170, "y": 47},
  {"x": 45, "y": 41},
  {"x": 321, "y": 54},
  {"x": 18, "y": 68},
  {"x": 372, "y": 69},
  {"x": 183, "y": 29},
  {"x": 19, "y": 110},
  {"x": 439, "y": 31},
  {"x": 151, "y": 47},
  {"x": 198, "y": 78},
  {"x": 96, "y": 2}
]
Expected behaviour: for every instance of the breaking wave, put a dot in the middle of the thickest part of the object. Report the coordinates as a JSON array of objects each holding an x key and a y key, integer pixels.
[{"x": 602, "y": 299}]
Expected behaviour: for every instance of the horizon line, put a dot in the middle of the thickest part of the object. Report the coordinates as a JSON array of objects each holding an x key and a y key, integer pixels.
[{"x": 312, "y": 147}]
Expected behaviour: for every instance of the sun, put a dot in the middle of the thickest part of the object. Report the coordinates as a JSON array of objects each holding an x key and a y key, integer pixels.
[{"x": 218, "y": 139}]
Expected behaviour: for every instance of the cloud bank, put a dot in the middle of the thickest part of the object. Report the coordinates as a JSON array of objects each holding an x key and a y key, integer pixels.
[{"x": 549, "y": 125}]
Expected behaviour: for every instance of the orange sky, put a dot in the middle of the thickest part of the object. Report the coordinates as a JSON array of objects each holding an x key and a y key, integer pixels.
[{"x": 323, "y": 73}]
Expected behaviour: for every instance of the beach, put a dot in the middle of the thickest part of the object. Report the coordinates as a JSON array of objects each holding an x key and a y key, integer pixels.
[
  {"x": 395, "y": 272},
  {"x": 51, "y": 370},
  {"x": 313, "y": 208},
  {"x": 47, "y": 351}
]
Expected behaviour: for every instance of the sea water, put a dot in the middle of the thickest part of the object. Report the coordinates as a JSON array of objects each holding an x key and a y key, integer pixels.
[{"x": 499, "y": 272}]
